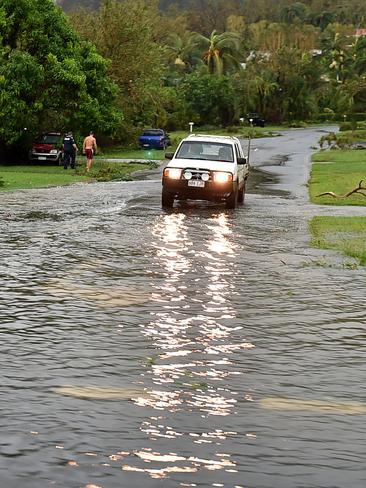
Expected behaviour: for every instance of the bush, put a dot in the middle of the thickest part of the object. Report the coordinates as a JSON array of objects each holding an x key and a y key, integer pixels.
[
  {"x": 327, "y": 116},
  {"x": 345, "y": 141},
  {"x": 297, "y": 124},
  {"x": 209, "y": 99},
  {"x": 175, "y": 140},
  {"x": 329, "y": 140},
  {"x": 231, "y": 129},
  {"x": 345, "y": 126},
  {"x": 357, "y": 116},
  {"x": 342, "y": 140}
]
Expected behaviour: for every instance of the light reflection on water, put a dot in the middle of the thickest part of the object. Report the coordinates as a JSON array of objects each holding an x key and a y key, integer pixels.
[{"x": 187, "y": 376}]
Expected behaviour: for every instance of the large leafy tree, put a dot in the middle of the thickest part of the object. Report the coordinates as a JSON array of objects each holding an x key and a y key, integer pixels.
[
  {"x": 124, "y": 33},
  {"x": 285, "y": 85},
  {"x": 210, "y": 99},
  {"x": 351, "y": 93},
  {"x": 269, "y": 37},
  {"x": 49, "y": 78},
  {"x": 298, "y": 78},
  {"x": 208, "y": 15},
  {"x": 256, "y": 89},
  {"x": 294, "y": 13},
  {"x": 337, "y": 51}
]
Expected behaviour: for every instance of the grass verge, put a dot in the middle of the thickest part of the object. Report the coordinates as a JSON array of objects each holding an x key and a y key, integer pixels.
[
  {"x": 176, "y": 137},
  {"x": 345, "y": 234},
  {"x": 338, "y": 171},
  {"x": 27, "y": 176}
]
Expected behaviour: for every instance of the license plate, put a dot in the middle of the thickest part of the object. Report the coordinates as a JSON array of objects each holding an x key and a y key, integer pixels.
[
  {"x": 146, "y": 145},
  {"x": 197, "y": 183},
  {"x": 42, "y": 158}
]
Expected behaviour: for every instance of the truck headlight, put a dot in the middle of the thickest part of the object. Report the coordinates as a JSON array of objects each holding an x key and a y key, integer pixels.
[
  {"x": 222, "y": 177},
  {"x": 53, "y": 151},
  {"x": 173, "y": 173}
]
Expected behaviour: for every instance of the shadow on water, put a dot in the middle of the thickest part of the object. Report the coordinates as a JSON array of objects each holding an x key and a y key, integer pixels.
[{"x": 263, "y": 182}]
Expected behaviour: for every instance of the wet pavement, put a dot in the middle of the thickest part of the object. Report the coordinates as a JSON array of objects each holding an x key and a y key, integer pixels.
[{"x": 196, "y": 347}]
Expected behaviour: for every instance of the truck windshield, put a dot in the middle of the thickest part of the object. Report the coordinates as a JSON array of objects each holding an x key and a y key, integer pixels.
[{"x": 212, "y": 151}]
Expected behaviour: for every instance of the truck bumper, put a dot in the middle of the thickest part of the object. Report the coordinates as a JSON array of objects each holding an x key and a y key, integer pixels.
[{"x": 211, "y": 191}]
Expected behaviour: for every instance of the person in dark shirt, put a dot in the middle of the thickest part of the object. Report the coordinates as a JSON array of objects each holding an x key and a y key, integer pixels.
[{"x": 70, "y": 149}]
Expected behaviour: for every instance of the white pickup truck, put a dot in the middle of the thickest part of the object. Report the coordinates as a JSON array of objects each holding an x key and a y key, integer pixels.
[{"x": 206, "y": 167}]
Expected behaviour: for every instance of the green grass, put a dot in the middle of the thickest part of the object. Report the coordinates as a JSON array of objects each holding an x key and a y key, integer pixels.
[
  {"x": 125, "y": 153},
  {"x": 337, "y": 171},
  {"x": 176, "y": 137},
  {"x": 340, "y": 156},
  {"x": 27, "y": 176},
  {"x": 346, "y": 234}
]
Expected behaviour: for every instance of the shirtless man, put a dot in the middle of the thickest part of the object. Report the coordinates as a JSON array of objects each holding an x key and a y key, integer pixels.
[{"x": 89, "y": 146}]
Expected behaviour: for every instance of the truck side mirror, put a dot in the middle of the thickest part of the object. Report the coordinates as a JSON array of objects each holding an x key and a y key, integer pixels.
[
  {"x": 242, "y": 161},
  {"x": 169, "y": 155}
]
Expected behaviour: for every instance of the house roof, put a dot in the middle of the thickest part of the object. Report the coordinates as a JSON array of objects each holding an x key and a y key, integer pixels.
[{"x": 360, "y": 32}]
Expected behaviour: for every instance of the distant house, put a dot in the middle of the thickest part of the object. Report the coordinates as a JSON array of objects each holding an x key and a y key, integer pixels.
[{"x": 360, "y": 32}]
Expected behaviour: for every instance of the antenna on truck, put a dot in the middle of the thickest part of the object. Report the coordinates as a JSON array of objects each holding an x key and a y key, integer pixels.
[{"x": 249, "y": 139}]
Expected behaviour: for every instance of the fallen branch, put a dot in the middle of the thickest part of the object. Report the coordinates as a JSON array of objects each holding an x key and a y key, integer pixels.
[{"x": 358, "y": 190}]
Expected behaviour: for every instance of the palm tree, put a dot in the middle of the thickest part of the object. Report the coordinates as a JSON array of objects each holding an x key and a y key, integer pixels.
[
  {"x": 359, "y": 56},
  {"x": 183, "y": 51},
  {"x": 220, "y": 51},
  {"x": 337, "y": 52},
  {"x": 264, "y": 88}
]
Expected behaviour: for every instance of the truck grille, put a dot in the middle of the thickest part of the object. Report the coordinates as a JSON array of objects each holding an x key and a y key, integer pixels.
[{"x": 197, "y": 173}]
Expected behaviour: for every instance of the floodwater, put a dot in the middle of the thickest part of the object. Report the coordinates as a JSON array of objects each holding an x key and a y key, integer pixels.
[{"x": 196, "y": 347}]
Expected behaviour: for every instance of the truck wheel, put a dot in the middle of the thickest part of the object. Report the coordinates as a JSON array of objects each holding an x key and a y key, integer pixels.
[
  {"x": 241, "y": 194},
  {"x": 232, "y": 199},
  {"x": 167, "y": 199}
]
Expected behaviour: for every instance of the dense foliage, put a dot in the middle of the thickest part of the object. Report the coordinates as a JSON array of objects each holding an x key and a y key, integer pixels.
[
  {"x": 124, "y": 33},
  {"x": 167, "y": 63},
  {"x": 213, "y": 61}
]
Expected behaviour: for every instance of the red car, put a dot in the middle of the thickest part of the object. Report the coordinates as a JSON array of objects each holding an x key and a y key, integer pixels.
[{"x": 47, "y": 147}]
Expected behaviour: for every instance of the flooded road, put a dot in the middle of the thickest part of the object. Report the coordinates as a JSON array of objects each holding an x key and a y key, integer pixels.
[{"x": 198, "y": 347}]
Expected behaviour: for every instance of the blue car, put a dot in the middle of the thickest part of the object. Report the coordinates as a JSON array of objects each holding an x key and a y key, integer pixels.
[{"x": 154, "y": 139}]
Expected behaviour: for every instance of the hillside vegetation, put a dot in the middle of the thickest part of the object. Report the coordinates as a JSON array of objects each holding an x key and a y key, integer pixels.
[{"x": 119, "y": 66}]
